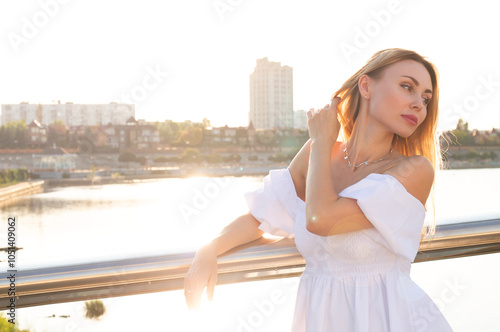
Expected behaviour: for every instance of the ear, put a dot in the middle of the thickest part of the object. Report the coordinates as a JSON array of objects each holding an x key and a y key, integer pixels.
[{"x": 364, "y": 85}]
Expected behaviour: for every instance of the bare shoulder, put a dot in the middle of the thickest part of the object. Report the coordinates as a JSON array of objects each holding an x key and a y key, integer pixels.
[{"x": 416, "y": 174}]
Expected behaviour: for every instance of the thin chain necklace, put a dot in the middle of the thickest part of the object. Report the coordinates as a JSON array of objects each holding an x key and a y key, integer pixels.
[{"x": 364, "y": 162}]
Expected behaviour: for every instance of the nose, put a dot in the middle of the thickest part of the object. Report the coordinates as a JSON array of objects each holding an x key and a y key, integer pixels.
[{"x": 417, "y": 104}]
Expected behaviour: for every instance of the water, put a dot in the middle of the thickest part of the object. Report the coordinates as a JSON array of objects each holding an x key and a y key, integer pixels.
[{"x": 178, "y": 215}]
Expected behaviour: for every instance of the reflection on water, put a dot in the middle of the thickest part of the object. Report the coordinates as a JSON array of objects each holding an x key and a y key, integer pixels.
[
  {"x": 165, "y": 216},
  {"x": 175, "y": 215}
]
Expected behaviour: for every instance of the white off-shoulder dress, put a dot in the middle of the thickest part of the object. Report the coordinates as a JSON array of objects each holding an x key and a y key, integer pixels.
[{"x": 357, "y": 281}]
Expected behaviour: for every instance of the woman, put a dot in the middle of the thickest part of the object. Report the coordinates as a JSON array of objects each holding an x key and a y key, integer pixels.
[{"x": 355, "y": 204}]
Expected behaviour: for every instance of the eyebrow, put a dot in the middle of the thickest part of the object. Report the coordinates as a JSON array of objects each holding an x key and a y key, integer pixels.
[{"x": 416, "y": 83}]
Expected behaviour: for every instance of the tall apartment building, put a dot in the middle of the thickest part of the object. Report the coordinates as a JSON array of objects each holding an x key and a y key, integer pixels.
[
  {"x": 271, "y": 95},
  {"x": 71, "y": 114}
]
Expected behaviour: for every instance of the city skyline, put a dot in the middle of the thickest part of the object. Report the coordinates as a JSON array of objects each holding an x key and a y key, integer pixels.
[{"x": 189, "y": 61}]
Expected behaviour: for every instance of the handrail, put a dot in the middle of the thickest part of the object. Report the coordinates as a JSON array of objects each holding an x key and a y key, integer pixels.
[{"x": 259, "y": 260}]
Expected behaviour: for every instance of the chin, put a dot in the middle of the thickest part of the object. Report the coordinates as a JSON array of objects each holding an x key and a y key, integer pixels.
[{"x": 405, "y": 133}]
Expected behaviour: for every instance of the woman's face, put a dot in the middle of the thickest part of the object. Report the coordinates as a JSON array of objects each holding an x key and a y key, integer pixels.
[{"x": 399, "y": 98}]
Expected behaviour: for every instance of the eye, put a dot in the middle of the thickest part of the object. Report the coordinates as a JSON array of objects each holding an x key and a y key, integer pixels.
[
  {"x": 407, "y": 87},
  {"x": 426, "y": 100}
]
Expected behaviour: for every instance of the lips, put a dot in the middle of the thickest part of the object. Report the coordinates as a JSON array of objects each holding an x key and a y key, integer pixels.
[{"x": 412, "y": 119}]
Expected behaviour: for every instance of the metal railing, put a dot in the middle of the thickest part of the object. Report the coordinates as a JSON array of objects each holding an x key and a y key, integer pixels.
[{"x": 259, "y": 260}]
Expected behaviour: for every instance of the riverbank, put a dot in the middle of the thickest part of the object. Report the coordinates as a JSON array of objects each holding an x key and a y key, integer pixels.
[
  {"x": 134, "y": 175},
  {"x": 11, "y": 193}
]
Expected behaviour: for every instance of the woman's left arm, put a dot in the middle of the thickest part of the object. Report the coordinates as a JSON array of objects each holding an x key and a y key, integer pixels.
[{"x": 326, "y": 213}]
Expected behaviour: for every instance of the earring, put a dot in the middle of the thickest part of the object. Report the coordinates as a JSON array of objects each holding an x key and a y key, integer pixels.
[{"x": 366, "y": 96}]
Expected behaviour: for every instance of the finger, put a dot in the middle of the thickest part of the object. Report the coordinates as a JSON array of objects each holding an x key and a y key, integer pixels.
[
  {"x": 188, "y": 292},
  {"x": 192, "y": 293},
  {"x": 335, "y": 101},
  {"x": 211, "y": 286},
  {"x": 310, "y": 113},
  {"x": 193, "y": 299},
  {"x": 187, "y": 297}
]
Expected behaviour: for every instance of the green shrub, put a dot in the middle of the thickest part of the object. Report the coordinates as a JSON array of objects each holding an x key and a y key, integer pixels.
[
  {"x": 5, "y": 326},
  {"x": 161, "y": 159},
  {"x": 95, "y": 309},
  {"x": 21, "y": 175},
  {"x": 13, "y": 175},
  {"x": 232, "y": 157},
  {"x": 191, "y": 155},
  {"x": 10, "y": 175},
  {"x": 215, "y": 158},
  {"x": 142, "y": 160},
  {"x": 127, "y": 157},
  {"x": 279, "y": 157},
  {"x": 471, "y": 154}
]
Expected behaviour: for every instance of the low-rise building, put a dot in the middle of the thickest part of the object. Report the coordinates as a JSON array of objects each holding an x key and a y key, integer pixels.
[
  {"x": 36, "y": 134},
  {"x": 54, "y": 160},
  {"x": 135, "y": 136}
]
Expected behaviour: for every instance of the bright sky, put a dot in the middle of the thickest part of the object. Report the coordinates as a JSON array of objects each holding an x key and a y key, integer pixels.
[{"x": 192, "y": 59}]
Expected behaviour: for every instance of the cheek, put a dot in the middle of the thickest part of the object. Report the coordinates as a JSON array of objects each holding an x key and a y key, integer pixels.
[{"x": 423, "y": 115}]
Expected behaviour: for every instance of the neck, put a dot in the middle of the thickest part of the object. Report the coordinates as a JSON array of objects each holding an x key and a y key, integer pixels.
[{"x": 368, "y": 143}]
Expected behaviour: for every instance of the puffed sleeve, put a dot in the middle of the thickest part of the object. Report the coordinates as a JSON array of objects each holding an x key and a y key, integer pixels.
[
  {"x": 274, "y": 203},
  {"x": 394, "y": 212}
]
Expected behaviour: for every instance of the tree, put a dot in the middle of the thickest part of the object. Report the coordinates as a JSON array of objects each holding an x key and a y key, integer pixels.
[
  {"x": 192, "y": 135},
  {"x": 168, "y": 131},
  {"x": 206, "y": 123},
  {"x": 57, "y": 134},
  {"x": 462, "y": 138},
  {"x": 462, "y": 126},
  {"x": 13, "y": 135}
]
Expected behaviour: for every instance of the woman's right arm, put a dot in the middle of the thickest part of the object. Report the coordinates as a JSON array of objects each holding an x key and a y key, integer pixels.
[
  {"x": 244, "y": 229},
  {"x": 203, "y": 270}
]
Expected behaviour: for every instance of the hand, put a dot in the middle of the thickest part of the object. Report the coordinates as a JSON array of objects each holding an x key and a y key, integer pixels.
[
  {"x": 323, "y": 124},
  {"x": 202, "y": 273}
]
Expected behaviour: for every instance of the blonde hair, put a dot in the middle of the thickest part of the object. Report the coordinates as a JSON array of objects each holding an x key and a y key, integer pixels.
[{"x": 425, "y": 140}]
